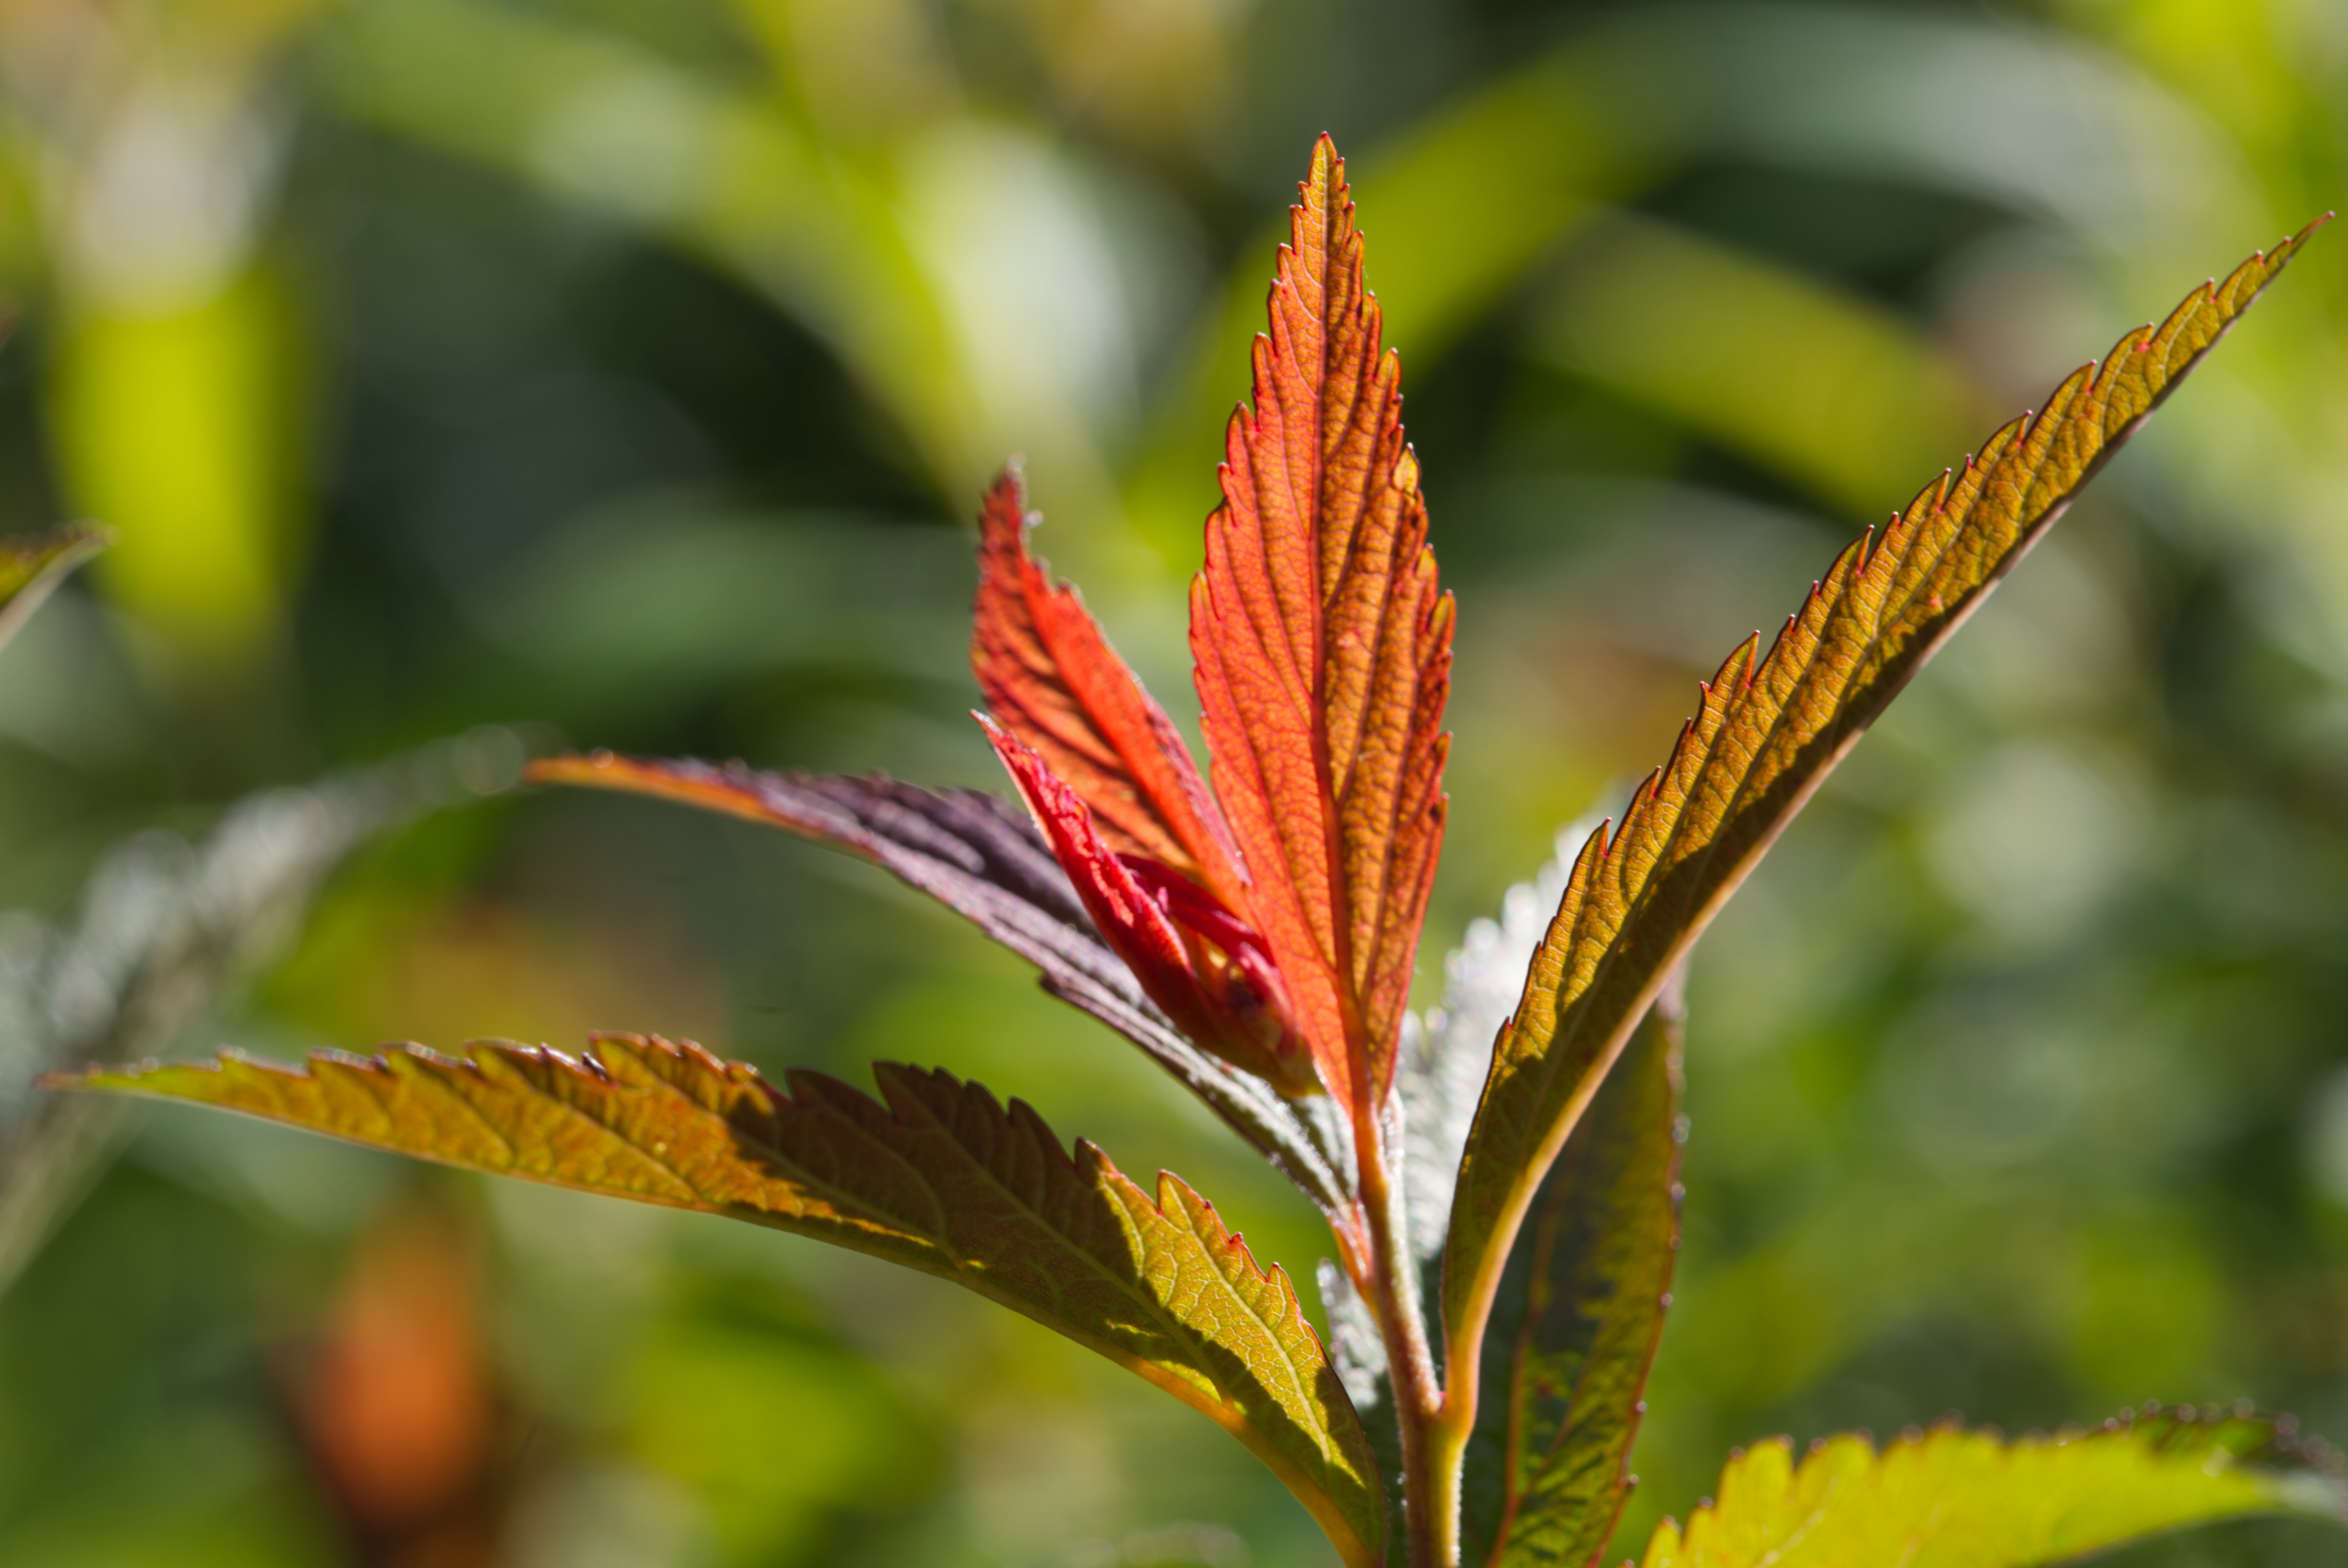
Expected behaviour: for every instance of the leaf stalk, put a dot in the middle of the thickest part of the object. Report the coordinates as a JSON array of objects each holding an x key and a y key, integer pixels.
[{"x": 1386, "y": 1275}]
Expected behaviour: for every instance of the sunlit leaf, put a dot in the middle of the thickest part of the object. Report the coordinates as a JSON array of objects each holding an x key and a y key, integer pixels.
[
  {"x": 937, "y": 1176},
  {"x": 983, "y": 857},
  {"x": 1956, "y": 1499},
  {"x": 1769, "y": 728},
  {"x": 1324, "y": 649},
  {"x": 1111, "y": 783},
  {"x": 1580, "y": 1313},
  {"x": 974, "y": 851},
  {"x": 1052, "y": 680}
]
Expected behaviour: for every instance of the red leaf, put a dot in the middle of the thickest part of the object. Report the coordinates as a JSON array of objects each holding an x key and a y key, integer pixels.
[
  {"x": 1324, "y": 649},
  {"x": 1194, "y": 957},
  {"x": 1052, "y": 680}
]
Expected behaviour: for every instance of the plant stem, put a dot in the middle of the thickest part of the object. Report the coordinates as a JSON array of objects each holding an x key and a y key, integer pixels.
[{"x": 1430, "y": 1481}]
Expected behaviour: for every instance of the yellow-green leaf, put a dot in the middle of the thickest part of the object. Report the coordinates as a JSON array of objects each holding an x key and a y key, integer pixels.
[
  {"x": 937, "y": 1176},
  {"x": 1768, "y": 730},
  {"x": 1956, "y": 1499}
]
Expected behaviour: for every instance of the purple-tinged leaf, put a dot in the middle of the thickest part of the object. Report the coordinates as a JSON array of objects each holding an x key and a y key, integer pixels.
[{"x": 981, "y": 857}]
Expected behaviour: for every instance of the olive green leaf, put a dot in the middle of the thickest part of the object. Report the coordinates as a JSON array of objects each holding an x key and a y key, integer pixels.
[
  {"x": 1769, "y": 728},
  {"x": 1575, "y": 1326},
  {"x": 936, "y": 1175}
]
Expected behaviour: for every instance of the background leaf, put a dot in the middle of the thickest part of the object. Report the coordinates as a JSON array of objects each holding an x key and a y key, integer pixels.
[
  {"x": 1956, "y": 1499},
  {"x": 169, "y": 931},
  {"x": 1844, "y": 398},
  {"x": 33, "y": 566},
  {"x": 940, "y": 1178}
]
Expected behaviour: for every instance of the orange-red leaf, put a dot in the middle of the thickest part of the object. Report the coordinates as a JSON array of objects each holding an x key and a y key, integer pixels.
[
  {"x": 1207, "y": 969},
  {"x": 940, "y": 1178},
  {"x": 1769, "y": 728},
  {"x": 1052, "y": 680},
  {"x": 1324, "y": 649}
]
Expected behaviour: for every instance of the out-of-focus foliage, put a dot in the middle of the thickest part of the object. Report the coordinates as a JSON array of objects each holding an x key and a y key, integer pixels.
[
  {"x": 31, "y": 566},
  {"x": 632, "y": 368},
  {"x": 1324, "y": 651},
  {"x": 150, "y": 141},
  {"x": 169, "y": 933}
]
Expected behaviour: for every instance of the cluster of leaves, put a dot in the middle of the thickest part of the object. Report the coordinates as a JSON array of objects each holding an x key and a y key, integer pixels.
[{"x": 1258, "y": 938}]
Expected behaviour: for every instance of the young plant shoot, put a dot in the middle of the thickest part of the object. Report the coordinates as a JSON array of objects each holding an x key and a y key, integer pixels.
[{"x": 1257, "y": 937}]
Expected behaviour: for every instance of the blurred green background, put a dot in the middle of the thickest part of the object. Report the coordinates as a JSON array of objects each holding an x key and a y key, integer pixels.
[{"x": 623, "y": 372}]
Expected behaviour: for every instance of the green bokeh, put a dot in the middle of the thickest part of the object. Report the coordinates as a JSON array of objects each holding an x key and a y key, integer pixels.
[{"x": 655, "y": 352}]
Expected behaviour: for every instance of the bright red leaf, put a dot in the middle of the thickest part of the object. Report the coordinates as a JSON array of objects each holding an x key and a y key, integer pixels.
[
  {"x": 1122, "y": 805},
  {"x": 1195, "y": 959},
  {"x": 1052, "y": 680},
  {"x": 1324, "y": 649}
]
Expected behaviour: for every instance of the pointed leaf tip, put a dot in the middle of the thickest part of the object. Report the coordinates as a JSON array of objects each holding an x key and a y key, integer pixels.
[
  {"x": 1767, "y": 730},
  {"x": 1052, "y": 680},
  {"x": 1323, "y": 642}
]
